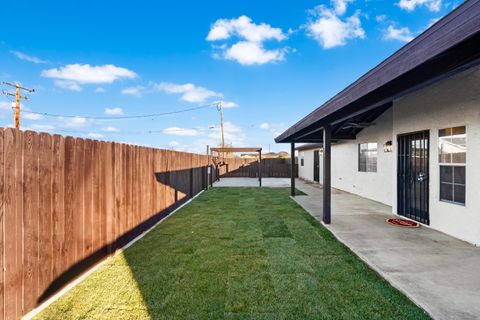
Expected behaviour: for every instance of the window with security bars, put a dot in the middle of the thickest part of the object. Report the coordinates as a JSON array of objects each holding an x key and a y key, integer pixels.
[
  {"x": 367, "y": 157},
  {"x": 452, "y": 156}
]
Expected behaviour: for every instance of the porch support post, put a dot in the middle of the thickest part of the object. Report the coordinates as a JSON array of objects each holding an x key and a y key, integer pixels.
[
  {"x": 292, "y": 170},
  {"x": 207, "y": 168},
  {"x": 260, "y": 168},
  {"x": 327, "y": 192}
]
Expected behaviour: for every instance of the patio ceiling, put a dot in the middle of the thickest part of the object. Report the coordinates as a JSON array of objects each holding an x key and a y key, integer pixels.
[{"x": 448, "y": 47}]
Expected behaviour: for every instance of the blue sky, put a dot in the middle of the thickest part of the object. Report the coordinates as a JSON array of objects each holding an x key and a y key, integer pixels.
[{"x": 271, "y": 62}]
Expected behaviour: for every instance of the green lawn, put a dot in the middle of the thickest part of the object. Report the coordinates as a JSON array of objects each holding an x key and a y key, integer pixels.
[{"x": 236, "y": 253}]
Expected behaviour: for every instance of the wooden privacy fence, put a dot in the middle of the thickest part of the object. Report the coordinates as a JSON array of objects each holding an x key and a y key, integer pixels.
[
  {"x": 66, "y": 203},
  {"x": 271, "y": 168}
]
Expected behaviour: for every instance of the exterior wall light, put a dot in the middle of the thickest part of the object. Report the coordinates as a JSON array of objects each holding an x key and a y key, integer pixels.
[{"x": 388, "y": 147}]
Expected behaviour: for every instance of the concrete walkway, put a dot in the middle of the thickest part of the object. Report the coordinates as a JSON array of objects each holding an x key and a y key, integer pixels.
[
  {"x": 439, "y": 273},
  {"x": 252, "y": 182}
]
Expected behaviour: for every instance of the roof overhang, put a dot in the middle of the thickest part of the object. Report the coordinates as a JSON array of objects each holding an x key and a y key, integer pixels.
[
  {"x": 309, "y": 146},
  {"x": 450, "y": 46}
]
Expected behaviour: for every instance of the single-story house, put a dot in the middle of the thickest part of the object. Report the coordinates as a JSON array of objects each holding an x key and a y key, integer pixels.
[{"x": 407, "y": 133}]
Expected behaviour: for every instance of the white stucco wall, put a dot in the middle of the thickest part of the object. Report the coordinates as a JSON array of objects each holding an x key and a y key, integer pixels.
[
  {"x": 373, "y": 185},
  {"x": 453, "y": 102},
  {"x": 450, "y": 103},
  {"x": 306, "y": 171}
]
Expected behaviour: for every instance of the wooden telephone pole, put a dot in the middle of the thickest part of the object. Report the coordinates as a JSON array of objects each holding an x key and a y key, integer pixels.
[
  {"x": 220, "y": 109},
  {"x": 18, "y": 97}
]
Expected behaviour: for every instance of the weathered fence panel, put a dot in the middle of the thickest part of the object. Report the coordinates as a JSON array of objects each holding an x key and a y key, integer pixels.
[
  {"x": 271, "y": 168},
  {"x": 66, "y": 203}
]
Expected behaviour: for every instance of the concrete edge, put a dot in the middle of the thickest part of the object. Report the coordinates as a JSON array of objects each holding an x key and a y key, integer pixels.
[
  {"x": 87, "y": 273},
  {"x": 375, "y": 268}
]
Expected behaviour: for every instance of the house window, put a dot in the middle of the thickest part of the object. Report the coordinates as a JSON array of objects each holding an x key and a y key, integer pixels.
[
  {"x": 452, "y": 156},
  {"x": 301, "y": 162},
  {"x": 367, "y": 157}
]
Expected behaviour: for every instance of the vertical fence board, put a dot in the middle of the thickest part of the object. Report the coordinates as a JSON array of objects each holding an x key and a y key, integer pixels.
[
  {"x": 117, "y": 187},
  {"x": 13, "y": 247},
  {"x": 88, "y": 199},
  {"x": 2, "y": 230},
  {"x": 58, "y": 207},
  {"x": 45, "y": 245},
  {"x": 69, "y": 202},
  {"x": 128, "y": 186},
  {"x": 109, "y": 194},
  {"x": 96, "y": 214},
  {"x": 78, "y": 209},
  {"x": 18, "y": 196},
  {"x": 133, "y": 162},
  {"x": 30, "y": 219},
  {"x": 102, "y": 148}
]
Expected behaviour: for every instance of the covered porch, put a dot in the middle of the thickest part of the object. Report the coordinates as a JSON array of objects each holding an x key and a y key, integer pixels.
[
  {"x": 446, "y": 49},
  {"x": 436, "y": 271}
]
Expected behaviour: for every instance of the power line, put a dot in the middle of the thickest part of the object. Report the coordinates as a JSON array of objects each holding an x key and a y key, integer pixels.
[
  {"x": 152, "y": 115},
  {"x": 131, "y": 132}
]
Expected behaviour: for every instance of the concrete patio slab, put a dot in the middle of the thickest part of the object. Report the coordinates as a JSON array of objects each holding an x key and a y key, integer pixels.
[
  {"x": 438, "y": 272},
  {"x": 252, "y": 182}
]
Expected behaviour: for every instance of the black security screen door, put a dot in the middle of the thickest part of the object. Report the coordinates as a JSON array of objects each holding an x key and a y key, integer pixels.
[
  {"x": 412, "y": 179},
  {"x": 316, "y": 166}
]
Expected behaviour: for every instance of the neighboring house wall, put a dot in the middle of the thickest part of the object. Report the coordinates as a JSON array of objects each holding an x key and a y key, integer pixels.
[{"x": 450, "y": 103}]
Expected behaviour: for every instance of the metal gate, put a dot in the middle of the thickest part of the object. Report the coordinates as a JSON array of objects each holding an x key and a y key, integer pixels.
[
  {"x": 413, "y": 175},
  {"x": 316, "y": 166}
]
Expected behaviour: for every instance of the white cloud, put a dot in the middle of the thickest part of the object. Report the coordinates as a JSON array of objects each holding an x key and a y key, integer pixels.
[
  {"x": 251, "y": 53},
  {"x": 381, "y": 18},
  {"x": 133, "y": 91},
  {"x": 32, "y": 116},
  {"x": 234, "y": 135},
  {"x": 249, "y": 50},
  {"x": 68, "y": 85},
  {"x": 76, "y": 74},
  {"x": 42, "y": 127},
  {"x": 4, "y": 105},
  {"x": 95, "y": 135},
  {"x": 264, "y": 125},
  {"x": 402, "y": 34},
  {"x": 275, "y": 129},
  {"x": 410, "y": 5},
  {"x": 173, "y": 143},
  {"x": 176, "y": 131},
  {"x": 75, "y": 122},
  {"x": 113, "y": 111},
  {"x": 111, "y": 129},
  {"x": 330, "y": 31},
  {"x": 99, "y": 90},
  {"x": 340, "y": 6},
  {"x": 190, "y": 92},
  {"x": 26, "y": 57},
  {"x": 243, "y": 27},
  {"x": 227, "y": 104}
]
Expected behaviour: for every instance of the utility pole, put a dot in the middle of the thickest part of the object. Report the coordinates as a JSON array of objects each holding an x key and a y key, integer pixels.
[
  {"x": 220, "y": 109},
  {"x": 18, "y": 97}
]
